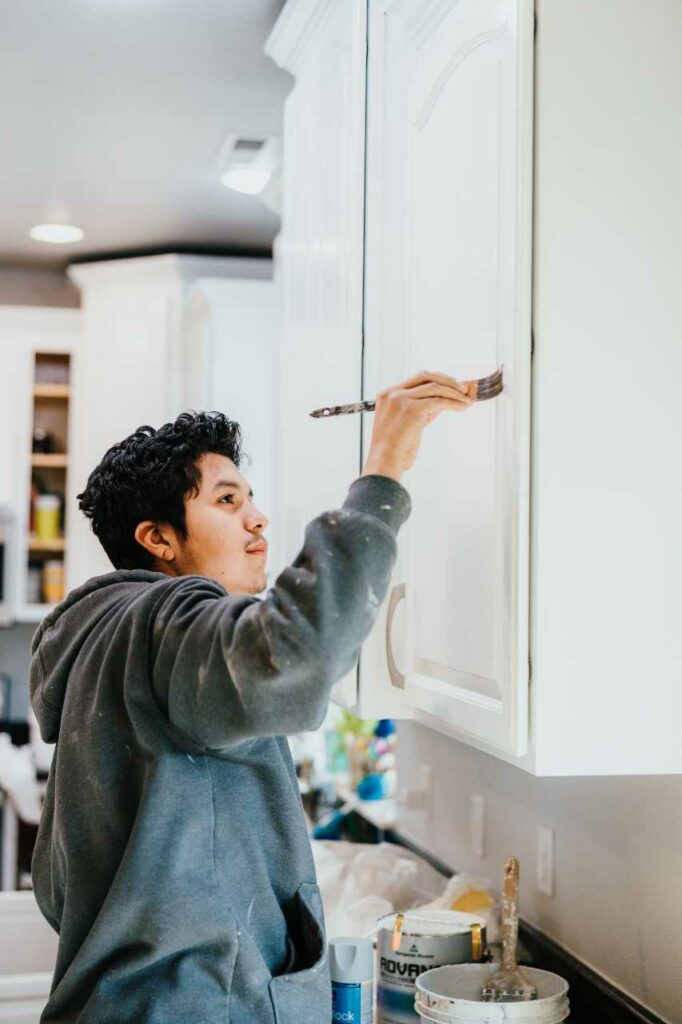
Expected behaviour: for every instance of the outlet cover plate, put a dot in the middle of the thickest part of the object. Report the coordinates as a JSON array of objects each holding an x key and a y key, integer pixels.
[
  {"x": 477, "y": 826},
  {"x": 545, "y": 862}
]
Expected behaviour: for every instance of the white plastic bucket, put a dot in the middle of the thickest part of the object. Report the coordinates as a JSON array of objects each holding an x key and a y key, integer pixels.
[{"x": 451, "y": 995}]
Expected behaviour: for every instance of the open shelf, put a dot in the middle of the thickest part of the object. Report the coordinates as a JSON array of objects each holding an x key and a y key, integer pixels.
[
  {"x": 57, "y": 461},
  {"x": 38, "y": 544},
  {"x": 51, "y": 391}
]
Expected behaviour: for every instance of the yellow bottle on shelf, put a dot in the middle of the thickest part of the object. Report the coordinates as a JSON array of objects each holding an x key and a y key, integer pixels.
[{"x": 47, "y": 516}]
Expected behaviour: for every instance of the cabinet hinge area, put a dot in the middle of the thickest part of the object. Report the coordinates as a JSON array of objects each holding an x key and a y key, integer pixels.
[
  {"x": 530, "y": 670},
  {"x": 535, "y": 24}
]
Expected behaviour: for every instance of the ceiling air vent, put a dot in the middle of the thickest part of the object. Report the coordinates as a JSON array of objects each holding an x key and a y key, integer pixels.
[
  {"x": 246, "y": 146},
  {"x": 247, "y": 163}
]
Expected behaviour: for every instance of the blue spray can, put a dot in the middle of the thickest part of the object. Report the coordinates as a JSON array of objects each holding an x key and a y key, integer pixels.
[{"x": 351, "y": 966}]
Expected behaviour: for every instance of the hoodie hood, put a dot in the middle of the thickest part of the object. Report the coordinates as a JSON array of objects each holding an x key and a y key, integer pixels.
[{"x": 61, "y": 635}]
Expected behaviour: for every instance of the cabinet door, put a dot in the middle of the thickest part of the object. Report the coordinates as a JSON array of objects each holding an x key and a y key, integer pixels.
[
  {"x": 15, "y": 392},
  {"x": 455, "y": 95},
  {"x": 15, "y": 445},
  {"x": 321, "y": 253}
]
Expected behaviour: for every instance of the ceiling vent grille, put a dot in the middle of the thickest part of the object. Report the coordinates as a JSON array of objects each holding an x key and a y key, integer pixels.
[
  {"x": 251, "y": 164},
  {"x": 243, "y": 150},
  {"x": 246, "y": 146}
]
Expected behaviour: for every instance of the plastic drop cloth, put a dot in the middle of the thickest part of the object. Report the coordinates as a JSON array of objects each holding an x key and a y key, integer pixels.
[{"x": 362, "y": 882}]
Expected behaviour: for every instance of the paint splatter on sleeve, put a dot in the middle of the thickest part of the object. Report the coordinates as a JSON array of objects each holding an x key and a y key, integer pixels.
[{"x": 230, "y": 668}]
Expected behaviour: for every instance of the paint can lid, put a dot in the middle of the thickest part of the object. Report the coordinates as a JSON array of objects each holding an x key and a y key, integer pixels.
[
  {"x": 434, "y": 922},
  {"x": 351, "y": 960}
]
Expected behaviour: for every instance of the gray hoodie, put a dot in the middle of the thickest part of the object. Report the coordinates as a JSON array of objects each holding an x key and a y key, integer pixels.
[{"x": 172, "y": 855}]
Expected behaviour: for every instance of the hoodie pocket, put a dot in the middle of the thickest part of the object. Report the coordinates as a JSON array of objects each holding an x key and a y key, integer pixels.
[{"x": 303, "y": 995}]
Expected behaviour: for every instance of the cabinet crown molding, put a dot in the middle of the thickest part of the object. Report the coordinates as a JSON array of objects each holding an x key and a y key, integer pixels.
[
  {"x": 297, "y": 24},
  {"x": 171, "y": 269}
]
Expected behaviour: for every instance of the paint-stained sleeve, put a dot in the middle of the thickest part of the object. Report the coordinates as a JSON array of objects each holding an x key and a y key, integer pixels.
[{"x": 226, "y": 669}]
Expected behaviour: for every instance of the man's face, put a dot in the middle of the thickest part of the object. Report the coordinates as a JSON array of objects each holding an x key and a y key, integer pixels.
[{"x": 223, "y": 527}]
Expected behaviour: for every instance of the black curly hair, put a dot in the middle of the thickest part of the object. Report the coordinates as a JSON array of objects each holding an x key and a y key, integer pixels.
[{"x": 149, "y": 475}]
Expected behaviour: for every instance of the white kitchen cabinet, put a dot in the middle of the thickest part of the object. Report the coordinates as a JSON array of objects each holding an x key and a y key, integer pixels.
[
  {"x": 231, "y": 340},
  {"x": 132, "y": 368},
  {"x": 519, "y": 187},
  {"x": 27, "y": 332},
  {"x": 415, "y": 74},
  {"x": 320, "y": 252},
  {"x": 448, "y": 283},
  {"x": 15, "y": 391}
]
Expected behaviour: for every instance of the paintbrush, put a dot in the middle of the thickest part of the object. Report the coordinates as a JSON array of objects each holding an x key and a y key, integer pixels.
[
  {"x": 508, "y": 984},
  {"x": 486, "y": 387}
]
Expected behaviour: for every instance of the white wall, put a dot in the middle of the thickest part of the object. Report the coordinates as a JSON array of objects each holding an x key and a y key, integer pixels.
[
  {"x": 617, "y": 901},
  {"x": 36, "y": 286}
]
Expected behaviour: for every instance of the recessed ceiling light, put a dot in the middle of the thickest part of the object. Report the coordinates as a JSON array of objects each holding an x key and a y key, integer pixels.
[
  {"x": 250, "y": 180},
  {"x": 56, "y": 233}
]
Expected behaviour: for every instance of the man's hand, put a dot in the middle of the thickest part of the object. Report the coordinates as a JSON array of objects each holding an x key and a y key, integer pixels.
[{"x": 402, "y": 412}]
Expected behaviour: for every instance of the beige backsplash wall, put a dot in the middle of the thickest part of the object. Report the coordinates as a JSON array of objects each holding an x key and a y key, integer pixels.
[{"x": 617, "y": 901}]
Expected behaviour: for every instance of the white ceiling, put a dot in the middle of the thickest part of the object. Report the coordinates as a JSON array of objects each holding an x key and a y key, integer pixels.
[{"x": 111, "y": 117}]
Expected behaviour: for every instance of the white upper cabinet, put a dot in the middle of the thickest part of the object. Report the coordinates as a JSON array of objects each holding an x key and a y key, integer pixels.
[
  {"x": 606, "y": 556},
  {"x": 320, "y": 252},
  {"x": 449, "y": 253},
  {"x": 133, "y": 314},
  {"x": 518, "y": 211}
]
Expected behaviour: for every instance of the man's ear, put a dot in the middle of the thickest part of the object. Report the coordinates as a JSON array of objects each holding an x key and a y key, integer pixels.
[{"x": 155, "y": 541}]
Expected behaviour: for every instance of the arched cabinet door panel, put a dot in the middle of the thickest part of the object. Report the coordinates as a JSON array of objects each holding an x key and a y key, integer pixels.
[{"x": 448, "y": 264}]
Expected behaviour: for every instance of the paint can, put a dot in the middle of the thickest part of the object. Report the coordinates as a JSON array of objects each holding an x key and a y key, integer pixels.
[
  {"x": 451, "y": 995},
  {"x": 417, "y": 941}
]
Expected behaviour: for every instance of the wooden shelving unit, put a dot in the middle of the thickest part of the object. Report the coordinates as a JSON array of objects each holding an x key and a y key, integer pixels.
[{"x": 51, "y": 400}]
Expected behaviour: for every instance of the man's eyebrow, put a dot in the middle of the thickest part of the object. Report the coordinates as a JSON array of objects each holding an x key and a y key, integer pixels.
[{"x": 229, "y": 483}]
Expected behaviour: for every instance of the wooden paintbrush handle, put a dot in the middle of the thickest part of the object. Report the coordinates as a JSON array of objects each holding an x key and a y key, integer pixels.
[{"x": 510, "y": 914}]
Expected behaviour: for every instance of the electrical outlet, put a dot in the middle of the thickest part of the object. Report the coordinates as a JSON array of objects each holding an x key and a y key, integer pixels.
[
  {"x": 419, "y": 798},
  {"x": 477, "y": 826},
  {"x": 545, "y": 862}
]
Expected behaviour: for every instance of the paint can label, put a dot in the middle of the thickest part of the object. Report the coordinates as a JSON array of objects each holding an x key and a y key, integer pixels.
[
  {"x": 398, "y": 970},
  {"x": 352, "y": 1002}
]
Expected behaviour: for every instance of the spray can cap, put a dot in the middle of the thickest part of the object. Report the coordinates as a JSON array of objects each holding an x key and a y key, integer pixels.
[{"x": 351, "y": 960}]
